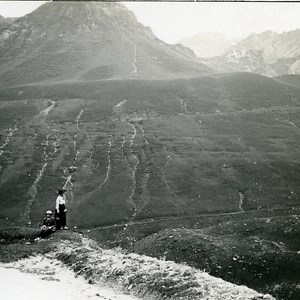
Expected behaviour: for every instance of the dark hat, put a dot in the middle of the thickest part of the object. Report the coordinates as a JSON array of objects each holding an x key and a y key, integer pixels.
[{"x": 61, "y": 192}]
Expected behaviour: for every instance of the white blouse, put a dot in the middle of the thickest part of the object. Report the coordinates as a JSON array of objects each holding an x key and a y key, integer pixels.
[{"x": 60, "y": 200}]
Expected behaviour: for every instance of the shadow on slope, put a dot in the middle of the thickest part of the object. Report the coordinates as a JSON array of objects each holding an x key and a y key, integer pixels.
[{"x": 262, "y": 253}]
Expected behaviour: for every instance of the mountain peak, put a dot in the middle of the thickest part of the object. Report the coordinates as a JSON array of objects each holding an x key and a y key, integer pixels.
[
  {"x": 77, "y": 14},
  {"x": 82, "y": 41},
  {"x": 268, "y": 53}
]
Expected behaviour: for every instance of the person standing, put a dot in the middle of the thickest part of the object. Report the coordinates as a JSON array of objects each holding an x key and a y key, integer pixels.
[{"x": 60, "y": 209}]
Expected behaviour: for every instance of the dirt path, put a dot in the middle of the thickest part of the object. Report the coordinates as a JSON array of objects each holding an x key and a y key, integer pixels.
[
  {"x": 134, "y": 60},
  {"x": 45, "y": 278},
  {"x": 108, "y": 168},
  {"x": 164, "y": 219},
  {"x": 68, "y": 172},
  {"x": 134, "y": 169}
]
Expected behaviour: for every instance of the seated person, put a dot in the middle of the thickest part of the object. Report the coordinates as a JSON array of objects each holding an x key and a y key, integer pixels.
[{"x": 48, "y": 225}]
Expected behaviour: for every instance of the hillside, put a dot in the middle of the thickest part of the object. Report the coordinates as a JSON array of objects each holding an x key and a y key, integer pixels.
[
  {"x": 143, "y": 149},
  {"x": 86, "y": 41},
  {"x": 268, "y": 53},
  {"x": 261, "y": 253},
  {"x": 77, "y": 267}
]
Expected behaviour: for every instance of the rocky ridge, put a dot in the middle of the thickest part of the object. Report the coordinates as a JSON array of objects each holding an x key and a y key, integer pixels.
[{"x": 267, "y": 53}]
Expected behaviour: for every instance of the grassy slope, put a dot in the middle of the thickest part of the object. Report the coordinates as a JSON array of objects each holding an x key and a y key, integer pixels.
[{"x": 203, "y": 142}]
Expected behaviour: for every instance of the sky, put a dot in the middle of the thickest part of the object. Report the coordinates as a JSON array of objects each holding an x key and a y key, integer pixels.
[
  {"x": 173, "y": 21},
  {"x": 18, "y": 8}
]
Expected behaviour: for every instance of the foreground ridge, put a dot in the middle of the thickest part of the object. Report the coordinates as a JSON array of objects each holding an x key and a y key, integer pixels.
[{"x": 148, "y": 277}]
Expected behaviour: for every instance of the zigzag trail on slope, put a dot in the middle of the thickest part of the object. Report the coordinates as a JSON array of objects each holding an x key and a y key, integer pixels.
[
  {"x": 134, "y": 61},
  {"x": 119, "y": 107},
  {"x": 108, "y": 169},
  {"x": 144, "y": 177},
  {"x": 148, "y": 145},
  {"x": 123, "y": 152},
  {"x": 241, "y": 202},
  {"x": 163, "y": 175},
  {"x": 143, "y": 133},
  {"x": 68, "y": 171},
  {"x": 72, "y": 168},
  {"x": 131, "y": 201},
  {"x": 9, "y": 136},
  {"x": 33, "y": 191},
  {"x": 46, "y": 111},
  {"x": 78, "y": 119}
]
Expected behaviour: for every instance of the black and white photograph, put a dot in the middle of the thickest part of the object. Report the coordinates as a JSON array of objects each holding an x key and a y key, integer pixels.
[{"x": 149, "y": 150}]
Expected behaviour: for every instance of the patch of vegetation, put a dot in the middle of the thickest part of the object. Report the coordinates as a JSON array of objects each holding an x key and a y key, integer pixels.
[{"x": 19, "y": 242}]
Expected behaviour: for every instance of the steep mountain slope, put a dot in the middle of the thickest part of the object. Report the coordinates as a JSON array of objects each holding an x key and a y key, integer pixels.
[
  {"x": 268, "y": 53},
  {"x": 208, "y": 44},
  {"x": 86, "y": 41}
]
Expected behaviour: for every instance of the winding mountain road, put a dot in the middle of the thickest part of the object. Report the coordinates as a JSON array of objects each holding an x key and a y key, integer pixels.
[{"x": 174, "y": 218}]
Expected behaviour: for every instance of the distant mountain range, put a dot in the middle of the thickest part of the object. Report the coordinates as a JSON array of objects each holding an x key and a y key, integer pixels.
[
  {"x": 209, "y": 44},
  {"x": 268, "y": 53}
]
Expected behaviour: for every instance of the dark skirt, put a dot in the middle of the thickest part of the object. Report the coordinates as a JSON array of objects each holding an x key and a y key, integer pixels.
[{"x": 60, "y": 217}]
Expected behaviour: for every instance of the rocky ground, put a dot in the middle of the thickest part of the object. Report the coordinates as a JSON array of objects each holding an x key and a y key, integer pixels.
[{"x": 135, "y": 275}]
